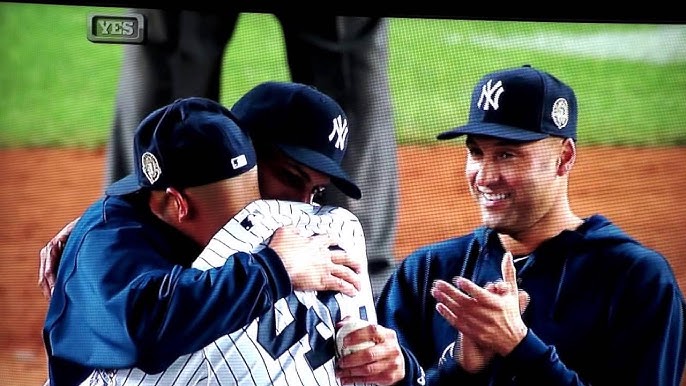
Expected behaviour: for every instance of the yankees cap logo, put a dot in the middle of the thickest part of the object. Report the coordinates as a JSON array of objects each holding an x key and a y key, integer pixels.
[
  {"x": 340, "y": 127},
  {"x": 490, "y": 95},
  {"x": 560, "y": 113},
  {"x": 151, "y": 167}
]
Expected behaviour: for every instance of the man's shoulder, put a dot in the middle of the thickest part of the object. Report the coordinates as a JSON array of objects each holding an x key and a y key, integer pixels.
[
  {"x": 441, "y": 254},
  {"x": 449, "y": 246},
  {"x": 110, "y": 213},
  {"x": 117, "y": 222},
  {"x": 605, "y": 238}
]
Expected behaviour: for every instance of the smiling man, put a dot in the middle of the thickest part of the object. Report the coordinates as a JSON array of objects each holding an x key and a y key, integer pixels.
[{"x": 601, "y": 308}]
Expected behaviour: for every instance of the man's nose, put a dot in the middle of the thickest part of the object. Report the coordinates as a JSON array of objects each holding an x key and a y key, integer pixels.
[{"x": 487, "y": 173}]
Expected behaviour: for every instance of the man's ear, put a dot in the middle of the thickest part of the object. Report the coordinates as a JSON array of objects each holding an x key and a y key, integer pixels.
[
  {"x": 178, "y": 204},
  {"x": 171, "y": 206},
  {"x": 567, "y": 157}
]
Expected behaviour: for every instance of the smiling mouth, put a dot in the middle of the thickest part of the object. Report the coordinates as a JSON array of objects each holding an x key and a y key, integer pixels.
[{"x": 494, "y": 197}]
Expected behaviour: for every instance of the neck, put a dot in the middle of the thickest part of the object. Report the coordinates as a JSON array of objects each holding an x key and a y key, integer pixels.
[{"x": 525, "y": 242}]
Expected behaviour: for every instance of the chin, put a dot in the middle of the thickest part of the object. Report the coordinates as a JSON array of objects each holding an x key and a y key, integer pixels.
[
  {"x": 497, "y": 224},
  {"x": 490, "y": 220}
]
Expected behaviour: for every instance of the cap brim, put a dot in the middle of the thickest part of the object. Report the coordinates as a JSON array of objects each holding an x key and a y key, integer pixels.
[
  {"x": 323, "y": 164},
  {"x": 509, "y": 133},
  {"x": 126, "y": 185}
]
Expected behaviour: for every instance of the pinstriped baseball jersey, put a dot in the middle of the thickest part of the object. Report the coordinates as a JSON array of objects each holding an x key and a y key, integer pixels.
[{"x": 290, "y": 345}]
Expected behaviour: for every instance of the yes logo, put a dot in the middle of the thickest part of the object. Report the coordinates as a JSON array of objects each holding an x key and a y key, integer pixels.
[
  {"x": 490, "y": 95},
  {"x": 128, "y": 28},
  {"x": 115, "y": 27},
  {"x": 340, "y": 128}
]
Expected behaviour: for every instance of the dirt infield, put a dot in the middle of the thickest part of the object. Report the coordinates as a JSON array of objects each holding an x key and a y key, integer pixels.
[{"x": 640, "y": 189}]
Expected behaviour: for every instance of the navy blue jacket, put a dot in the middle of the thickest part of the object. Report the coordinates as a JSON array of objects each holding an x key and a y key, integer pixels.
[
  {"x": 604, "y": 310},
  {"x": 125, "y": 295}
]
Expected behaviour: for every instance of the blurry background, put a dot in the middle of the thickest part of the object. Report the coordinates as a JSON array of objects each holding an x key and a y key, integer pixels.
[{"x": 57, "y": 105}]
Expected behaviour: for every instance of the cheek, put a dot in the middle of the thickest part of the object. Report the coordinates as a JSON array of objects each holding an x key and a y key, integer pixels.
[
  {"x": 268, "y": 189},
  {"x": 470, "y": 171},
  {"x": 533, "y": 187},
  {"x": 541, "y": 175},
  {"x": 272, "y": 190},
  {"x": 471, "y": 183}
]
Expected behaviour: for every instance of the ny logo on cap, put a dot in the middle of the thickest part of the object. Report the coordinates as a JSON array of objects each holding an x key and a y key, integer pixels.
[
  {"x": 487, "y": 97},
  {"x": 151, "y": 168},
  {"x": 340, "y": 127}
]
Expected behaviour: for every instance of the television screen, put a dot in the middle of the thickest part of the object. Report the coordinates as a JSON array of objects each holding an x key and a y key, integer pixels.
[{"x": 67, "y": 72}]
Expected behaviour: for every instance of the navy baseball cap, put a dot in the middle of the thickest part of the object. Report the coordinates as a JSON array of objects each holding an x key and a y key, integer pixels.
[
  {"x": 305, "y": 124},
  {"x": 520, "y": 104},
  {"x": 190, "y": 142}
]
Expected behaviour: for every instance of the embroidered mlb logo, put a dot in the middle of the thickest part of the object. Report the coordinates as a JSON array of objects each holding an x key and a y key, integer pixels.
[
  {"x": 247, "y": 223},
  {"x": 238, "y": 162}
]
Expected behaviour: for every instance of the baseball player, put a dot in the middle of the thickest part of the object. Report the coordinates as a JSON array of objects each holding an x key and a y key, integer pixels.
[
  {"x": 604, "y": 310},
  {"x": 289, "y": 344},
  {"x": 126, "y": 294},
  {"x": 295, "y": 164}
]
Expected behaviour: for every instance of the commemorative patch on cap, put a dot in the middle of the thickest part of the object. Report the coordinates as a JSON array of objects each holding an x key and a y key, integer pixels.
[
  {"x": 150, "y": 167},
  {"x": 560, "y": 113}
]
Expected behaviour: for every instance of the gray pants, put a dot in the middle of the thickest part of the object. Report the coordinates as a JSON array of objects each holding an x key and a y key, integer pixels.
[{"x": 344, "y": 57}]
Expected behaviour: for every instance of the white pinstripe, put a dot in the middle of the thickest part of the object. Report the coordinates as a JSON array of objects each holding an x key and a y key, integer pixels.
[{"x": 239, "y": 358}]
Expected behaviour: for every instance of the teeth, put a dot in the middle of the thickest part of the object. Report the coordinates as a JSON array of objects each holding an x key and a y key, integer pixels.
[{"x": 495, "y": 197}]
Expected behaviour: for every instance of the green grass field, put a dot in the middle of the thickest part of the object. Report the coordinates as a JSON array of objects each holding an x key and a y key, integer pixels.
[{"x": 59, "y": 88}]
